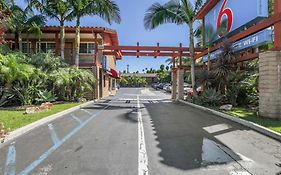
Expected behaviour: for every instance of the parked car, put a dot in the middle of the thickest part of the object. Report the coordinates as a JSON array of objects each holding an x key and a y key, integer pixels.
[
  {"x": 154, "y": 85},
  {"x": 166, "y": 87},
  {"x": 189, "y": 91}
]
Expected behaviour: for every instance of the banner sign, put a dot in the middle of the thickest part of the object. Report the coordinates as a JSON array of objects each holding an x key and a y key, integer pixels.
[
  {"x": 236, "y": 13},
  {"x": 253, "y": 41},
  {"x": 104, "y": 64}
]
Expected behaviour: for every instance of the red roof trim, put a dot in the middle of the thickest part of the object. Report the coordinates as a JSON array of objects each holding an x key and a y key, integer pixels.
[{"x": 206, "y": 8}]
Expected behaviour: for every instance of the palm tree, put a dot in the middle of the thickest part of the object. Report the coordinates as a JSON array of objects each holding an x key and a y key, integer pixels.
[
  {"x": 178, "y": 12},
  {"x": 23, "y": 20},
  {"x": 106, "y": 9},
  {"x": 59, "y": 10}
]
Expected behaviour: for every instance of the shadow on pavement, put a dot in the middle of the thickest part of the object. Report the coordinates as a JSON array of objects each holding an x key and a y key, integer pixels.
[{"x": 183, "y": 141}]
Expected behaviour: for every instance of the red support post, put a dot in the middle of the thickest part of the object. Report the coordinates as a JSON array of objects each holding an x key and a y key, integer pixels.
[
  {"x": 180, "y": 54},
  {"x": 157, "y": 52},
  {"x": 96, "y": 50},
  {"x": 277, "y": 26},
  {"x": 138, "y": 51}
]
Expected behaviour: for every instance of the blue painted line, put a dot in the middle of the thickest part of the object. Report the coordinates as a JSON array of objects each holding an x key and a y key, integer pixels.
[
  {"x": 53, "y": 134},
  {"x": 76, "y": 118},
  {"x": 45, "y": 155},
  {"x": 84, "y": 110},
  {"x": 10, "y": 168}
]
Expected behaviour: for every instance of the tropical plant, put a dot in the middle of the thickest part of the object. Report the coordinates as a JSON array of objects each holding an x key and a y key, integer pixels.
[
  {"x": 178, "y": 12},
  {"x": 210, "y": 97},
  {"x": 4, "y": 18},
  {"x": 224, "y": 65},
  {"x": 45, "y": 96},
  {"x": 23, "y": 20},
  {"x": 47, "y": 62},
  {"x": 133, "y": 81},
  {"x": 59, "y": 10},
  {"x": 71, "y": 83},
  {"x": 13, "y": 70},
  {"x": 108, "y": 10}
]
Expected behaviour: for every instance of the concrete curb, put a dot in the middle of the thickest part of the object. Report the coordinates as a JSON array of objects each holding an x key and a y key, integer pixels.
[
  {"x": 254, "y": 126},
  {"x": 28, "y": 128}
]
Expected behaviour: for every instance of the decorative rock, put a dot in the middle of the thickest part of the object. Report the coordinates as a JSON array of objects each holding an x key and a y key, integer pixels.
[
  {"x": 226, "y": 107},
  {"x": 37, "y": 109},
  {"x": 3, "y": 132}
]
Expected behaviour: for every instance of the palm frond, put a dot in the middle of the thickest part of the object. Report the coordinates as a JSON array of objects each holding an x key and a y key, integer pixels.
[{"x": 158, "y": 14}]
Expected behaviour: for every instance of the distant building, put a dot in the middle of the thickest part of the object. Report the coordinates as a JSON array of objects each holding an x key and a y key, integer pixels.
[
  {"x": 150, "y": 78},
  {"x": 93, "y": 39}
]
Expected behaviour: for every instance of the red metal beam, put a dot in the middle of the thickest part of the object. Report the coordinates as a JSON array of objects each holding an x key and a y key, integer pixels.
[
  {"x": 247, "y": 57},
  {"x": 206, "y": 8},
  {"x": 151, "y": 54},
  {"x": 277, "y": 26},
  {"x": 251, "y": 30},
  {"x": 149, "y": 48}
]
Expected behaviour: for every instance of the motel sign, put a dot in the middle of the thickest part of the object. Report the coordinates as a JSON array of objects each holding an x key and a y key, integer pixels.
[{"x": 238, "y": 14}]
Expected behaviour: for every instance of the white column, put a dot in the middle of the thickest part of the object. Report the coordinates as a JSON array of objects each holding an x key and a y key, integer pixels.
[
  {"x": 270, "y": 84},
  {"x": 174, "y": 84},
  {"x": 180, "y": 84}
]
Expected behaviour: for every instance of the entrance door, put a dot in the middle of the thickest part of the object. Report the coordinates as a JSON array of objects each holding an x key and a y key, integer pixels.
[{"x": 68, "y": 53}]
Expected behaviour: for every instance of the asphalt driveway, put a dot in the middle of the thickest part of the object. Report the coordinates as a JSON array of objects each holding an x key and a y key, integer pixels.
[{"x": 140, "y": 131}]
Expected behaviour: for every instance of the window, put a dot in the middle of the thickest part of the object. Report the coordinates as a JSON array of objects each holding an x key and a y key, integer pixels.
[
  {"x": 26, "y": 47},
  {"x": 46, "y": 46},
  {"x": 87, "y": 48}
]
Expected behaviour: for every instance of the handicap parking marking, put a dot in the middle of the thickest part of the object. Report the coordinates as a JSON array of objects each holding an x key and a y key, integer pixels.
[
  {"x": 76, "y": 118},
  {"x": 84, "y": 110},
  {"x": 46, "y": 154},
  {"x": 53, "y": 134},
  {"x": 10, "y": 168}
]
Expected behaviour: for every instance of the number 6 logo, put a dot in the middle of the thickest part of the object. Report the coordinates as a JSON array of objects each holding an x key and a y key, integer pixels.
[{"x": 229, "y": 15}]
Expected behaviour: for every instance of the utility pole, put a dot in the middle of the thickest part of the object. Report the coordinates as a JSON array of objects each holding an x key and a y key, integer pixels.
[{"x": 128, "y": 70}]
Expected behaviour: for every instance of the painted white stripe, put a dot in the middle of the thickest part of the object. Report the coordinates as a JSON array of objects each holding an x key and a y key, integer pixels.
[
  {"x": 76, "y": 118},
  {"x": 84, "y": 110},
  {"x": 53, "y": 134},
  {"x": 142, "y": 160},
  {"x": 133, "y": 99},
  {"x": 10, "y": 168}
]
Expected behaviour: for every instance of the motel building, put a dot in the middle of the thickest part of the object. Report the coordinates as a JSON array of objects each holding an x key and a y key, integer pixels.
[{"x": 93, "y": 40}]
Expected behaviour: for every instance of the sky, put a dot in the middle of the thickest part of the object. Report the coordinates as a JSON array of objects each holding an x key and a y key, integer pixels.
[{"x": 131, "y": 30}]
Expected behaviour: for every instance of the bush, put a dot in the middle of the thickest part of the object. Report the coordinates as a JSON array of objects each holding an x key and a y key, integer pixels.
[
  {"x": 45, "y": 96},
  {"x": 209, "y": 98},
  {"x": 41, "y": 78}
]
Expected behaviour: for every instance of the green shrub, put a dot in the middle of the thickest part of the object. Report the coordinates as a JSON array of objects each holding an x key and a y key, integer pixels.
[
  {"x": 45, "y": 96},
  {"x": 209, "y": 98}
]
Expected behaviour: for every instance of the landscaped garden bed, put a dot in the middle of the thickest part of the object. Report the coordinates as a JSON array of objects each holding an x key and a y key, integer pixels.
[
  {"x": 251, "y": 115},
  {"x": 15, "y": 118}
]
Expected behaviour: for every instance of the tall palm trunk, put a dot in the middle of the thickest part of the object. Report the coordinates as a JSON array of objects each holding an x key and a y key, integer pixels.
[
  {"x": 209, "y": 59},
  {"x": 20, "y": 41},
  {"x": 192, "y": 60},
  {"x": 16, "y": 40},
  {"x": 62, "y": 39},
  {"x": 77, "y": 42}
]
